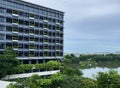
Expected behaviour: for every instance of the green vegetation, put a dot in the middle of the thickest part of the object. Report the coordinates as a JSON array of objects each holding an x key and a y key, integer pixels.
[
  {"x": 96, "y": 60},
  {"x": 26, "y": 68},
  {"x": 7, "y": 62},
  {"x": 70, "y": 75},
  {"x": 109, "y": 79}
]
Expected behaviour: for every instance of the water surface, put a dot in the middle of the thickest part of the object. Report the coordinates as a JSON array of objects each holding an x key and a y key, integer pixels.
[{"x": 91, "y": 73}]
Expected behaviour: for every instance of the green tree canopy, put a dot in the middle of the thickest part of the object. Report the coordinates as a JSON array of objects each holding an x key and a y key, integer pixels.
[{"x": 7, "y": 62}]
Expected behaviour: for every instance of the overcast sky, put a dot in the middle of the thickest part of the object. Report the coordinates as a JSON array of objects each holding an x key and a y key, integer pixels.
[{"x": 90, "y": 25}]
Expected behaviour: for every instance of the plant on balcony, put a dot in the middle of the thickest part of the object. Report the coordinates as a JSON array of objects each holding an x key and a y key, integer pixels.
[
  {"x": 15, "y": 46},
  {"x": 31, "y": 55},
  {"x": 45, "y": 55},
  {"x": 15, "y": 21},
  {"x": 57, "y": 29},
  {"x": 57, "y": 48},
  {"x": 45, "y": 47},
  {"x": 57, "y": 54},
  {"x": 31, "y": 24},
  {"x": 15, "y": 29},
  {"x": 31, "y": 47},
  {"x": 15, "y": 12},
  {"x": 50, "y": 65},
  {"x": 15, "y": 38},
  {"x": 31, "y": 32},
  {"x": 45, "y": 40},
  {"x": 31, "y": 15},
  {"x": 31, "y": 39},
  {"x": 45, "y": 33},
  {"x": 45, "y": 26}
]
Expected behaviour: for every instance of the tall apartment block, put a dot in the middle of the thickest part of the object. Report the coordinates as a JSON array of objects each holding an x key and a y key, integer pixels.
[{"x": 34, "y": 32}]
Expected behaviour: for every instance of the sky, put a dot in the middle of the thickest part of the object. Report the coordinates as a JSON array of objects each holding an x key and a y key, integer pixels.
[{"x": 90, "y": 25}]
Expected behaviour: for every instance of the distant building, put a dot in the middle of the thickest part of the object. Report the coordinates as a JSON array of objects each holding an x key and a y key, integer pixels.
[{"x": 34, "y": 32}]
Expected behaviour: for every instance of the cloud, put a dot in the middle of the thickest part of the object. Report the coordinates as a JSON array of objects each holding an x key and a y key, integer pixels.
[{"x": 90, "y": 25}]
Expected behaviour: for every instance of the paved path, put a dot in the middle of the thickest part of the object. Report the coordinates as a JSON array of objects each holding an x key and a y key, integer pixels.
[
  {"x": 24, "y": 75},
  {"x": 4, "y": 84}
]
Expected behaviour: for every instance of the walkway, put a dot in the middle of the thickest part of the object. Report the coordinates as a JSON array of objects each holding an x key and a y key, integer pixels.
[{"x": 24, "y": 75}]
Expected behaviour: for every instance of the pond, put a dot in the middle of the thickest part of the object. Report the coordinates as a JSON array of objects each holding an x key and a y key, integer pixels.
[{"x": 91, "y": 73}]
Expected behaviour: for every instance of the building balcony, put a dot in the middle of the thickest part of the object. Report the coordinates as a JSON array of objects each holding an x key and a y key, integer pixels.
[
  {"x": 15, "y": 14},
  {"x": 46, "y": 21},
  {"x": 45, "y": 28},
  {"x": 32, "y": 18},
  {"x": 57, "y": 23},
  {"x": 15, "y": 23}
]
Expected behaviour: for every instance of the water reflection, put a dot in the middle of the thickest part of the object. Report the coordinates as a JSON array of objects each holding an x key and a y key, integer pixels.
[{"x": 90, "y": 73}]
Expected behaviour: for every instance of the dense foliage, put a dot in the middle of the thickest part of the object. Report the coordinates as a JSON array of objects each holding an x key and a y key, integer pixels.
[
  {"x": 100, "y": 60},
  {"x": 109, "y": 79},
  {"x": 70, "y": 75},
  {"x": 26, "y": 68},
  {"x": 7, "y": 62}
]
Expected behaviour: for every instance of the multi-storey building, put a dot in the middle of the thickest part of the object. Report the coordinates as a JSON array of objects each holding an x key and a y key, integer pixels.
[{"x": 34, "y": 32}]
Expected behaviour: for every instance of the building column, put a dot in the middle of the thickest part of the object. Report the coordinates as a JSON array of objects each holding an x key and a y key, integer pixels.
[
  {"x": 29, "y": 62},
  {"x": 44, "y": 61},
  {"x": 22, "y": 62},
  {"x": 37, "y": 62}
]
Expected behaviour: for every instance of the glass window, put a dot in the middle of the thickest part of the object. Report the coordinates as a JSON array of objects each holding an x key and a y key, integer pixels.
[
  {"x": 10, "y": 4},
  {"x": 20, "y": 6},
  {"x": 31, "y": 9},
  {"x": 1, "y": 44},
  {"x": 2, "y": 2},
  {"x": 36, "y": 10},
  {"x": 53, "y": 14},
  {"x": 2, "y": 19},
  {"x": 2, "y": 10},
  {"x": 57, "y": 15},
  {"x": 9, "y": 11},
  {"x": 40, "y": 11},
  {"x": 49, "y": 13},
  {"x": 2, "y": 28},
  {"x": 1, "y": 37},
  {"x": 26, "y": 8},
  {"x": 45, "y": 12}
]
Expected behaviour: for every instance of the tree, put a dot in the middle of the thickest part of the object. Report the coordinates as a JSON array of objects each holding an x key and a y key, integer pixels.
[
  {"x": 109, "y": 79},
  {"x": 87, "y": 83},
  {"x": 8, "y": 62},
  {"x": 70, "y": 81}
]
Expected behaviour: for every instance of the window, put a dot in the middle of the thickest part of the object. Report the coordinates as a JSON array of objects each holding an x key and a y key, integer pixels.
[
  {"x": 1, "y": 37},
  {"x": 20, "y": 6},
  {"x": 1, "y": 10},
  {"x": 15, "y": 12},
  {"x": 36, "y": 10},
  {"x": 21, "y": 22},
  {"x": 2, "y": 28},
  {"x": 9, "y": 3},
  {"x": 2, "y": 19},
  {"x": 26, "y": 15},
  {"x": 31, "y": 15},
  {"x": 49, "y": 13},
  {"x": 15, "y": 21},
  {"x": 40, "y": 11},
  {"x": 15, "y": 29},
  {"x": 45, "y": 12},
  {"x": 31, "y": 9},
  {"x": 2, "y": 45},
  {"x": 8, "y": 28},
  {"x": 26, "y": 23},
  {"x": 9, "y": 20},
  {"x": 9, "y": 11}
]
